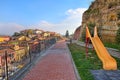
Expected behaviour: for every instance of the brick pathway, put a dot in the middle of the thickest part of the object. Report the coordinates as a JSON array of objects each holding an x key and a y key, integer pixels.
[{"x": 55, "y": 65}]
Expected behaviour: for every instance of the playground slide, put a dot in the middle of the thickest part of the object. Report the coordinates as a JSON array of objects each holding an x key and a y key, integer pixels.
[{"x": 109, "y": 63}]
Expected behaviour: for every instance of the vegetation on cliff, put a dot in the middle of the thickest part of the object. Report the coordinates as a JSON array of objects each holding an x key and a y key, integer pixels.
[
  {"x": 118, "y": 36},
  {"x": 105, "y": 14}
]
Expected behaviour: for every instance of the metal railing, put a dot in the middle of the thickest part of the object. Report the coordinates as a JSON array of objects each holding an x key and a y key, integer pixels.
[{"x": 12, "y": 62}]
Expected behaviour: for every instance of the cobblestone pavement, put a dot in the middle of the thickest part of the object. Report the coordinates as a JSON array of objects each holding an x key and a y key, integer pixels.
[
  {"x": 55, "y": 65},
  {"x": 114, "y": 52},
  {"x": 106, "y": 75}
]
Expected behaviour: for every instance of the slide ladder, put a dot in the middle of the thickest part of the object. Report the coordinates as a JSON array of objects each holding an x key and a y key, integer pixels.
[{"x": 109, "y": 63}]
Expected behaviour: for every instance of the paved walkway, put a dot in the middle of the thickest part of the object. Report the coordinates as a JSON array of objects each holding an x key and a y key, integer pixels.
[
  {"x": 106, "y": 75},
  {"x": 55, "y": 65},
  {"x": 113, "y": 52}
]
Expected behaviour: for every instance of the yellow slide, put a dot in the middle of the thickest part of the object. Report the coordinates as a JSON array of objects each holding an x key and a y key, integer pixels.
[{"x": 109, "y": 63}]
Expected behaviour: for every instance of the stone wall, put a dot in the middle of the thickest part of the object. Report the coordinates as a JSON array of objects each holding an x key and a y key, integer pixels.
[
  {"x": 105, "y": 14},
  {"x": 77, "y": 34}
]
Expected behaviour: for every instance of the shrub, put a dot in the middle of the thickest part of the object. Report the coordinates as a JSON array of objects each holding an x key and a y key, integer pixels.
[
  {"x": 118, "y": 15},
  {"x": 112, "y": 4},
  {"x": 112, "y": 17},
  {"x": 91, "y": 26},
  {"x": 118, "y": 36},
  {"x": 88, "y": 11},
  {"x": 83, "y": 34}
]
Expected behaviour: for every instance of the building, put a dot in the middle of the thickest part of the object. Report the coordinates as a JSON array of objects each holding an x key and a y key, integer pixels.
[{"x": 4, "y": 38}]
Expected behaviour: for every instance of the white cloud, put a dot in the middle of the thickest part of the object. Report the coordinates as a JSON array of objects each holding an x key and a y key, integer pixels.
[
  {"x": 71, "y": 22},
  {"x": 46, "y": 24},
  {"x": 77, "y": 11},
  {"x": 9, "y": 28}
]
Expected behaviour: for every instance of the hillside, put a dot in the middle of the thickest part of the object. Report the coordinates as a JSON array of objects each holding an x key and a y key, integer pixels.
[{"x": 105, "y": 14}]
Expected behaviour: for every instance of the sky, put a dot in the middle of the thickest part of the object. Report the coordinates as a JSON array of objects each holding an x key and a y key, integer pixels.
[{"x": 48, "y": 15}]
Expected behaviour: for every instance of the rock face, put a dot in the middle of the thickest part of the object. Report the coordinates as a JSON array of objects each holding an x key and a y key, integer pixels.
[
  {"x": 105, "y": 14},
  {"x": 77, "y": 33}
]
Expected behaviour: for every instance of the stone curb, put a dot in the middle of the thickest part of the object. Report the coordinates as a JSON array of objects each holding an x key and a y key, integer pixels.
[
  {"x": 75, "y": 69},
  {"x": 113, "y": 49}
]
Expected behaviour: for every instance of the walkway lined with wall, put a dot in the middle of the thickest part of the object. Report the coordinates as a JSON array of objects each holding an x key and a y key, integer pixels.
[{"x": 55, "y": 65}]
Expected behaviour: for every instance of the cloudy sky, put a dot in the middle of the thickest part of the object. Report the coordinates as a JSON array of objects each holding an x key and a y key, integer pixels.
[{"x": 48, "y": 15}]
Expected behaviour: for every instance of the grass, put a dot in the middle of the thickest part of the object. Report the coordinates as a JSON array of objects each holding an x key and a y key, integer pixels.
[
  {"x": 83, "y": 64},
  {"x": 112, "y": 45}
]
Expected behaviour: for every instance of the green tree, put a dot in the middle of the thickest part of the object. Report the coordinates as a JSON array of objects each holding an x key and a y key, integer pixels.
[
  {"x": 16, "y": 34},
  {"x": 29, "y": 32},
  {"x": 67, "y": 34}
]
